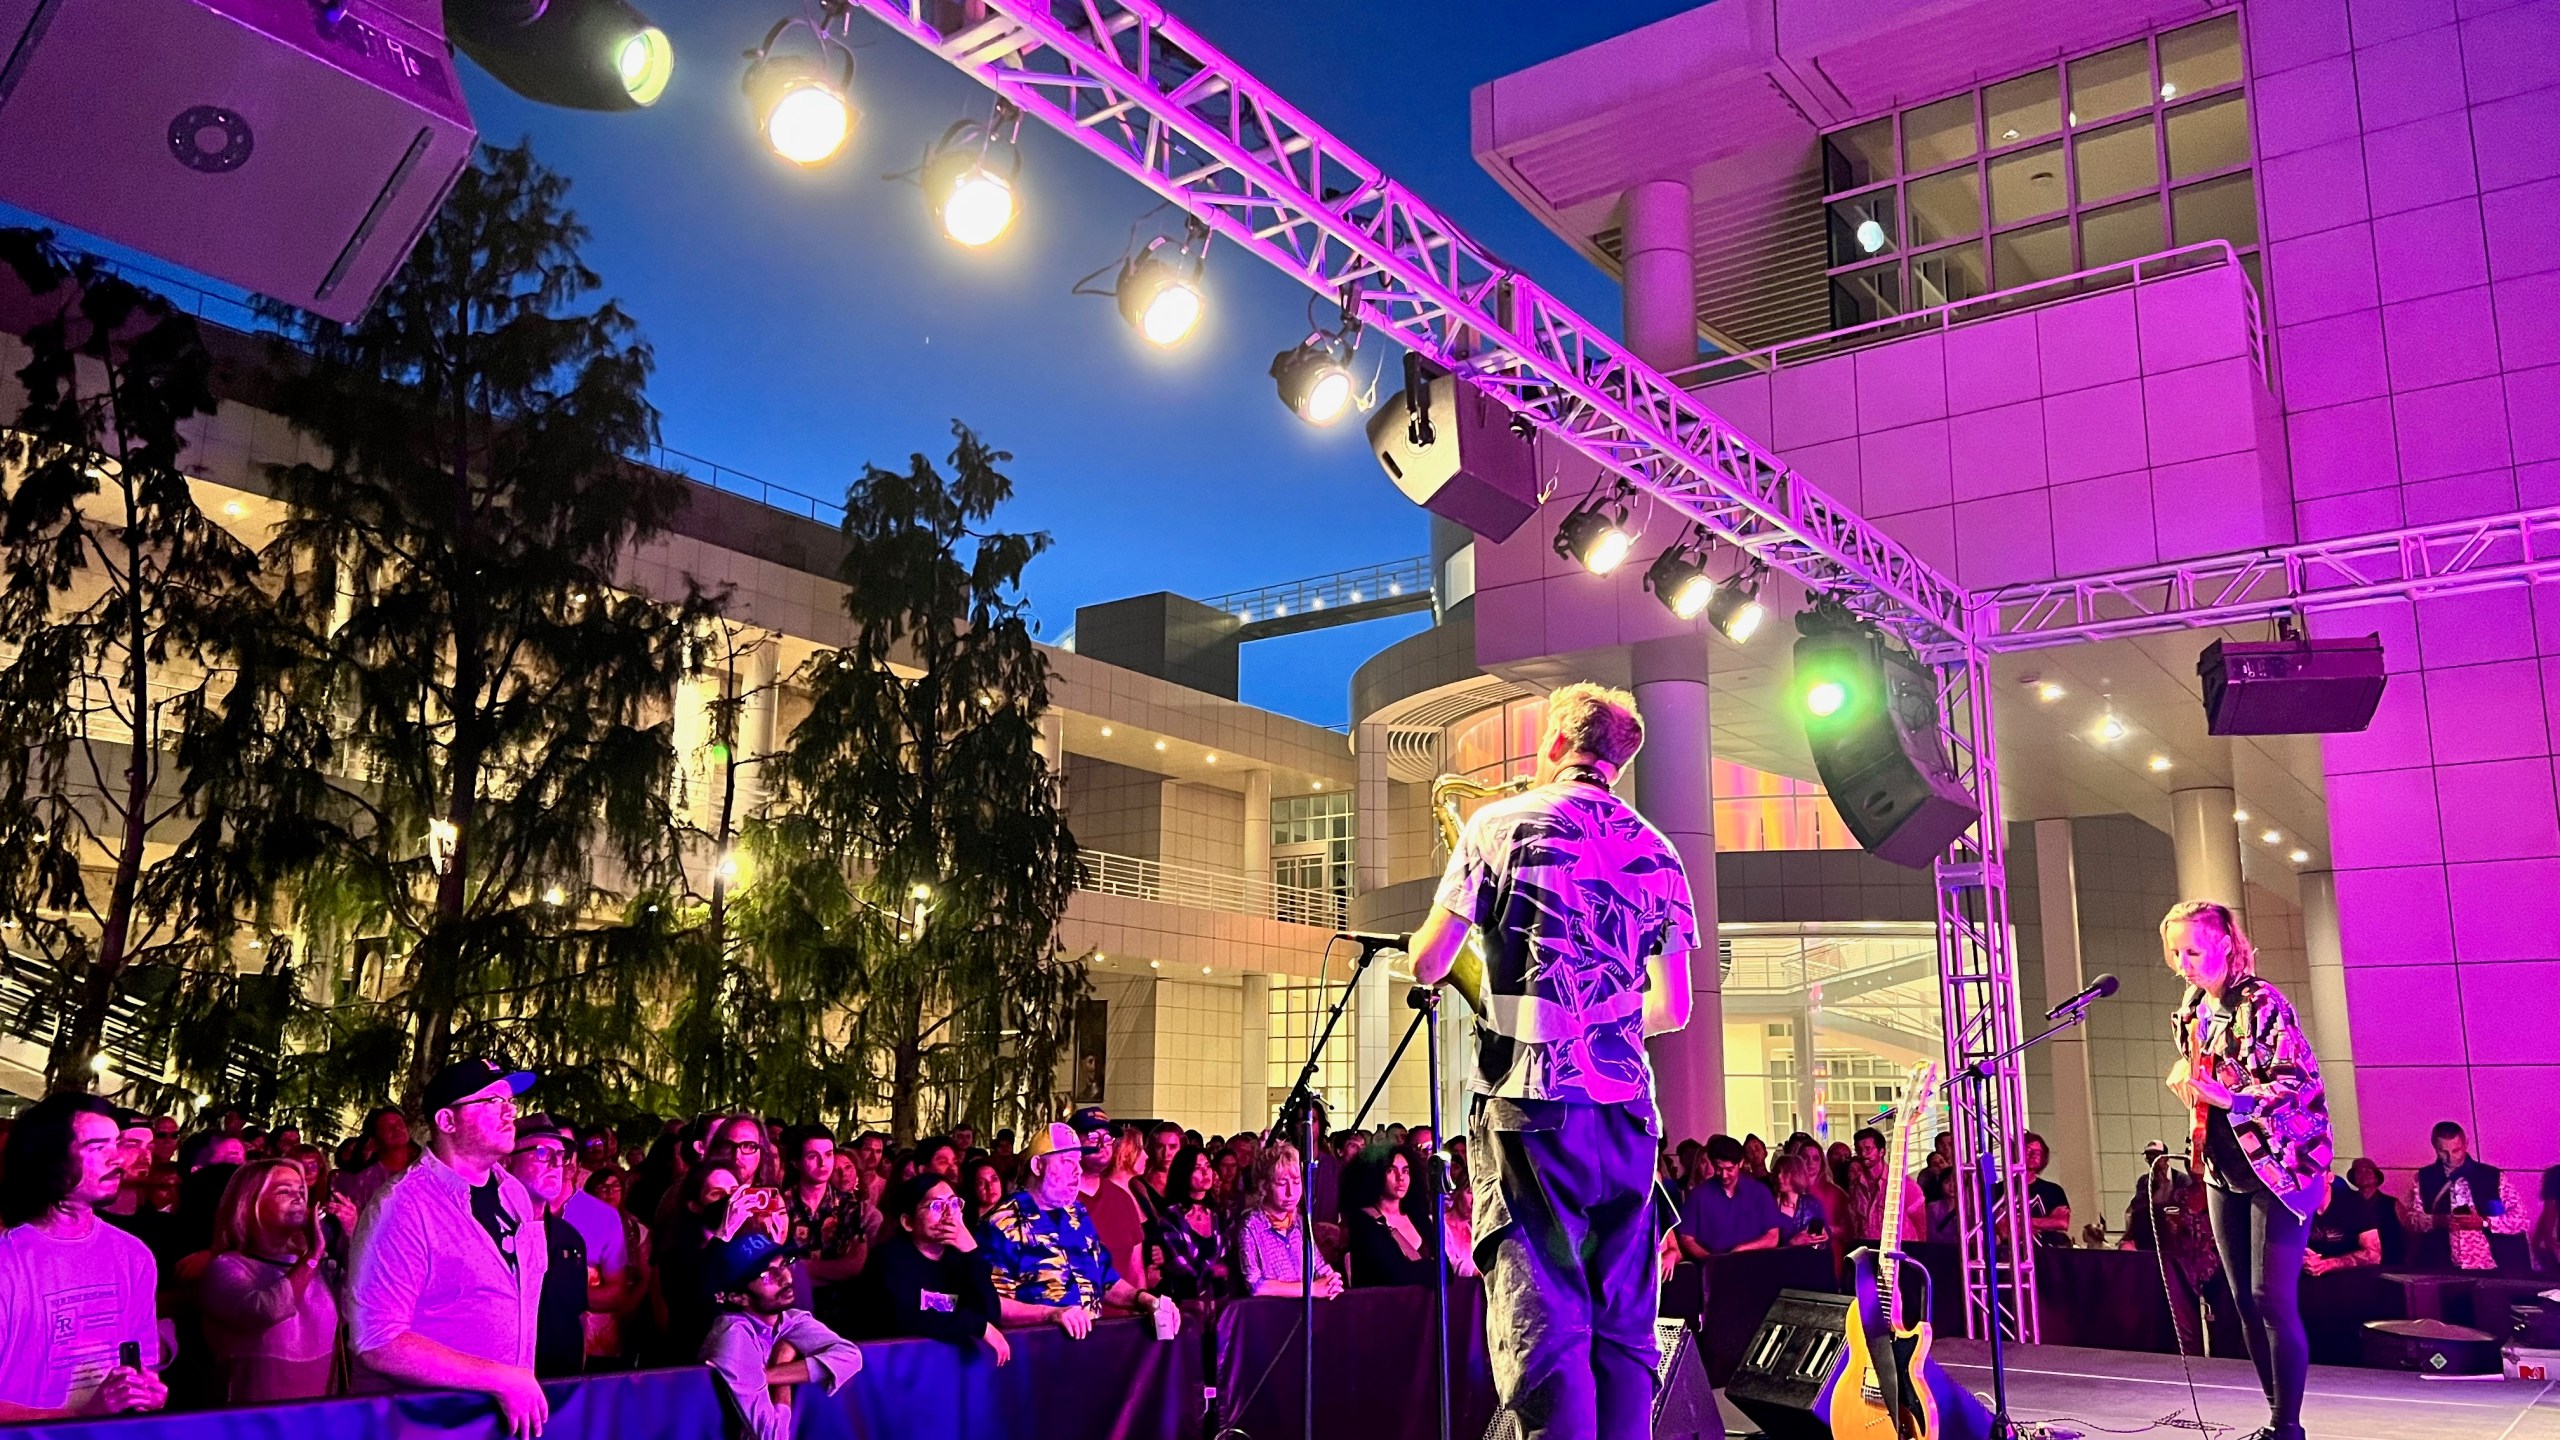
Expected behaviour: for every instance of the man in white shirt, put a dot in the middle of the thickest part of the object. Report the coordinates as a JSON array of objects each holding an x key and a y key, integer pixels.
[
  {"x": 445, "y": 1286},
  {"x": 78, "y": 1335}
]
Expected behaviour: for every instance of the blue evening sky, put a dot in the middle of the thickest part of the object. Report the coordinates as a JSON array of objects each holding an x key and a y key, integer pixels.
[{"x": 805, "y": 322}]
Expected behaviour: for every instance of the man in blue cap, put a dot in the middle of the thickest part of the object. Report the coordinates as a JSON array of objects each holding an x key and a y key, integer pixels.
[{"x": 761, "y": 1347}]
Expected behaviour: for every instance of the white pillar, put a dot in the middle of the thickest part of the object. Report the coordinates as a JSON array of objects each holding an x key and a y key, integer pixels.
[
  {"x": 2332, "y": 1038},
  {"x": 691, "y": 787},
  {"x": 1671, "y": 790},
  {"x": 1257, "y": 824},
  {"x": 1253, "y": 1050},
  {"x": 1808, "y": 1084},
  {"x": 2207, "y": 842},
  {"x": 2071, "y": 1131},
  {"x": 1374, "y": 1013},
  {"x": 761, "y": 690},
  {"x": 1661, "y": 290},
  {"x": 1370, "y": 801}
]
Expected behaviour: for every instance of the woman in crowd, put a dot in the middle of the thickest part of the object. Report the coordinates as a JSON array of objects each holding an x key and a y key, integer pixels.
[
  {"x": 677, "y": 1245},
  {"x": 269, "y": 1293},
  {"x": 1836, "y": 1160},
  {"x": 1814, "y": 1170},
  {"x": 1268, "y": 1246},
  {"x": 1119, "y": 1215},
  {"x": 981, "y": 1188},
  {"x": 1755, "y": 1158},
  {"x": 1188, "y": 1231},
  {"x": 2543, "y": 1246},
  {"x": 1386, "y": 1246},
  {"x": 928, "y": 1278},
  {"x": 615, "y": 1332},
  {"x": 1801, "y": 1220}
]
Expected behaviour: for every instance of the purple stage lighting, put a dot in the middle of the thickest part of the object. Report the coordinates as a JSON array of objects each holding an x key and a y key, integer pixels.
[{"x": 293, "y": 149}]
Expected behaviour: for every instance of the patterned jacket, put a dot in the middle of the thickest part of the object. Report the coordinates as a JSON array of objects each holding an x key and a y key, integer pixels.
[{"x": 2279, "y": 1112}]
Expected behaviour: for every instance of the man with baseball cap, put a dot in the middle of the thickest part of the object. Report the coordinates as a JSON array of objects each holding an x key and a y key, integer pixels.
[
  {"x": 445, "y": 1287},
  {"x": 542, "y": 1164},
  {"x": 761, "y": 1344},
  {"x": 1050, "y": 1263}
]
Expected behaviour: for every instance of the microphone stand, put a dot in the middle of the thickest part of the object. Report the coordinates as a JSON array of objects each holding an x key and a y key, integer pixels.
[{"x": 1986, "y": 1168}]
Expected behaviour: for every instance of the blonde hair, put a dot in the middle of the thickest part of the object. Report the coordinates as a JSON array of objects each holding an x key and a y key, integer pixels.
[
  {"x": 235, "y": 1224},
  {"x": 2244, "y": 956},
  {"x": 1267, "y": 1164},
  {"x": 1598, "y": 721}
]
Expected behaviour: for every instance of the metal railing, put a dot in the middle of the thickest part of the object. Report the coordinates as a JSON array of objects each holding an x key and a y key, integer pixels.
[
  {"x": 1201, "y": 888},
  {"x": 2147, "y": 269},
  {"x": 739, "y": 482},
  {"x": 1342, "y": 588}
]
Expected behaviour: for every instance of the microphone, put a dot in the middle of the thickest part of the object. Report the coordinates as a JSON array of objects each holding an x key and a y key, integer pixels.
[
  {"x": 1370, "y": 945},
  {"x": 2099, "y": 989}
]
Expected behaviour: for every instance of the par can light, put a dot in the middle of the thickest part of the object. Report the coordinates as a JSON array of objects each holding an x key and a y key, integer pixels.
[
  {"x": 1596, "y": 537},
  {"x": 1682, "y": 584},
  {"x": 579, "y": 54},
  {"x": 803, "y": 112},
  {"x": 1314, "y": 377},
  {"x": 971, "y": 178},
  {"x": 1159, "y": 288}
]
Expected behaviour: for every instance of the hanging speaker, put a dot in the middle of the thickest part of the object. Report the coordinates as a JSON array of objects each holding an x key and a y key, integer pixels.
[
  {"x": 2291, "y": 687},
  {"x": 1871, "y": 719},
  {"x": 1451, "y": 449}
]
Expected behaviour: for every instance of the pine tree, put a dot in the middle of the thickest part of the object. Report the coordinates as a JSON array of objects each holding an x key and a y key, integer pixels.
[
  {"x": 498, "y": 796},
  {"x": 134, "y": 631},
  {"x": 915, "y": 866}
]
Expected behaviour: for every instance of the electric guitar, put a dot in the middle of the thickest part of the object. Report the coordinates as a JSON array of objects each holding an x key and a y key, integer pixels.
[{"x": 1882, "y": 1391}]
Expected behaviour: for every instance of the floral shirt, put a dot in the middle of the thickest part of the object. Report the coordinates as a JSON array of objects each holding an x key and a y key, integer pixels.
[
  {"x": 1046, "y": 1257},
  {"x": 831, "y": 1228},
  {"x": 1573, "y": 894},
  {"x": 2279, "y": 1117}
]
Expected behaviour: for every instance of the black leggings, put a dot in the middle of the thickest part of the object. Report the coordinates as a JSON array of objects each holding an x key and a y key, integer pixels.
[{"x": 2261, "y": 1245}]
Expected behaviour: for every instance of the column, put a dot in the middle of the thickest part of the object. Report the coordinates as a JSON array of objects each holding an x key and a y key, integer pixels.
[
  {"x": 1661, "y": 290},
  {"x": 1671, "y": 789},
  {"x": 689, "y": 787},
  {"x": 1253, "y": 1051},
  {"x": 2207, "y": 841},
  {"x": 760, "y": 689},
  {"x": 2325, "y": 1009},
  {"x": 1808, "y": 1084},
  {"x": 2071, "y": 1131},
  {"x": 1257, "y": 824},
  {"x": 1370, "y": 800}
]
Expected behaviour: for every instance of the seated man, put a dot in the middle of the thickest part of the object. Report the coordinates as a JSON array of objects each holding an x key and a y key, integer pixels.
[
  {"x": 1050, "y": 1265},
  {"x": 2463, "y": 1207},
  {"x": 761, "y": 1348},
  {"x": 1731, "y": 1211}
]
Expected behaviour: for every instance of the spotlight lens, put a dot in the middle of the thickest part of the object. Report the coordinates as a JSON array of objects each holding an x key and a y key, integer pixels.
[
  {"x": 1825, "y": 699},
  {"x": 809, "y": 124},
  {"x": 1608, "y": 551},
  {"x": 1870, "y": 236},
  {"x": 1746, "y": 622},
  {"x": 1691, "y": 598},
  {"x": 979, "y": 210},
  {"x": 1170, "y": 314},
  {"x": 645, "y": 63},
  {"x": 1329, "y": 398}
]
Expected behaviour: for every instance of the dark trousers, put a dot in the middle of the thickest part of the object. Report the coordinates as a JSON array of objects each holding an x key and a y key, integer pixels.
[
  {"x": 1565, "y": 1240},
  {"x": 2261, "y": 1244}
]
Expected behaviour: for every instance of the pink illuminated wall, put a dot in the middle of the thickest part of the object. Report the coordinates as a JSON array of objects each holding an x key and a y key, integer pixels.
[{"x": 2409, "y": 164}]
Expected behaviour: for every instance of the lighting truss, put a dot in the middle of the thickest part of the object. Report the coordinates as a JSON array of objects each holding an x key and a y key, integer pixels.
[
  {"x": 2318, "y": 575},
  {"x": 1138, "y": 88}
]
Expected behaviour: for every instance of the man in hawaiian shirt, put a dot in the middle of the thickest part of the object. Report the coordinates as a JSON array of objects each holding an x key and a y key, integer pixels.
[
  {"x": 1587, "y": 925},
  {"x": 1050, "y": 1263}
]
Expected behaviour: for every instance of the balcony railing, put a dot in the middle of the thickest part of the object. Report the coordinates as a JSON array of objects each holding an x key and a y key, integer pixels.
[
  {"x": 2147, "y": 270},
  {"x": 1204, "y": 889}
]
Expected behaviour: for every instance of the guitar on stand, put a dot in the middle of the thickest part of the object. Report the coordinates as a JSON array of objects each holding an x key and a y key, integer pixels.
[{"x": 1883, "y": 1390}]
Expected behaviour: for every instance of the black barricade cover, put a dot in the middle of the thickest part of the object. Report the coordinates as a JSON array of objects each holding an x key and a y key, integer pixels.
[{"x": 1374, "y": 1351}]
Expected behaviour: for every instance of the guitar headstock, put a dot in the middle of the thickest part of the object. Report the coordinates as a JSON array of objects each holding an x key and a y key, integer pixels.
[{"x": 1920, "y": 1096}]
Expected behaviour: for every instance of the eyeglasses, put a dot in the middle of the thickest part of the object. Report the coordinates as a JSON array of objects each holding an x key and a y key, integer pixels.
[
  {"x": 947, "y": 1205},
  {"x": 741, "y": 1147},
  {"x": 544, "y": 1157},
  {"x": 508, "y": 1101}
]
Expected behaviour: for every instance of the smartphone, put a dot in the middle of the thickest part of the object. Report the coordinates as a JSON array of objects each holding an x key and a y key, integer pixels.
[{"x": 129, "y": 1354}]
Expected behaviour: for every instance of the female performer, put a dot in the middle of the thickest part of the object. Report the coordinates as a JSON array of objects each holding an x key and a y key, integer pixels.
[{"x": 2261, "y": 1138}]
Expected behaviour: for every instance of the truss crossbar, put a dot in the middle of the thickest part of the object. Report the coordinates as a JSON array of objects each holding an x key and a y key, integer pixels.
[
  {"x": 1138, "y": 88},
  {"x": 2319, "y": 575}
]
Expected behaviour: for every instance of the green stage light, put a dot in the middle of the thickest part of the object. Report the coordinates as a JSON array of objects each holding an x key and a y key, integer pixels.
[{"x": 1825, "y": 698}]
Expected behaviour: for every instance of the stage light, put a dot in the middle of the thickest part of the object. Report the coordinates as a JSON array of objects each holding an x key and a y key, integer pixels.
[
  {"x": 1595, "y": 536},
  {"x": 1314, "y": 376},
  {"x": 1679, "y": 581},
  {"x": 803, "y": 102},
  {"x": 1870, "y": 716},
  {"x": 971, "y": 176},
  {"x": 1158, "y": 285},
  {"x": 581, "y": 54},
  {"x": 1825, "y": 698},
  {"x": 1736, "y": 609}
]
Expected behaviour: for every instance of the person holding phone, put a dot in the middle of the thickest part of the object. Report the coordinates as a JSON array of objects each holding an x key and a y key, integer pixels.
[
  {"x": 269, "y": 1297},
  {"x": 76, "y": 1316}
]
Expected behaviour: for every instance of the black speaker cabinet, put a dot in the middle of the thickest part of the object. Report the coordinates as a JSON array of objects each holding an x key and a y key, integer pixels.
[
  {"x": 1470, "y": 466},
  {"x": 2291, "y": 687},
  {"x": 1883, "y": 759},
  {"x": 1794, "y": 1359}
]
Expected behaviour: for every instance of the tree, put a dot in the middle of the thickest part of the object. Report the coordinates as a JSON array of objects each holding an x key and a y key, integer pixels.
[
  {"x": 496, "y": 793},
  {"x": 914, "y": 866},
  {"x": 135, "y": 630}
]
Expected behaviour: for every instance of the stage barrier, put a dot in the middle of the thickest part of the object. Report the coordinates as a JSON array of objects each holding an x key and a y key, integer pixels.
[{"x": 1374, "y": 1353}]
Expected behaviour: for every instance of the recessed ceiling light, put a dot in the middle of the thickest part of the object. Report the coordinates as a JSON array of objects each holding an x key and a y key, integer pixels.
[
  {"x": 2159, "y": 763},
  {"x": 1155, "y": 964},
  {"x": 1319, "y": 784},
  {"x": 2110, "y": 729},
  {"x": 2049, "y": 692},
  {"x": 1106, "y": 732},
  {"x": 2240, "y": 817},
  {"x": 1159, "y": 744},
  {"x": 1204, "y": 969},
  {"x": 2271, "y": 836},
  {"x": 1098, "y": 955},
  {"x": 2299, "y": 856},
  {"x": 234, "y": 509},
  {"x": 1213, "y": 759}
]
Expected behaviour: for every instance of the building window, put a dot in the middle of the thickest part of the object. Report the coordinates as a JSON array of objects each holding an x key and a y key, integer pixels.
[
  {"x": 1312, "y": 844},
  {"x": 1297, "y": 1016},
  {"x": 2102, "y": 159}
]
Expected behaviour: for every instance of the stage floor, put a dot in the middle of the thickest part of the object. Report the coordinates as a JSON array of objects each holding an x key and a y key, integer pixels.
[{"x": 2107, "y": 1392}]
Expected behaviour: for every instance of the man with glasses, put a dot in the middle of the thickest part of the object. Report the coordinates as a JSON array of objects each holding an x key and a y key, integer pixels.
[
  {"x": 444, "y": 1292},
  {"x": 1049, "y": 1262},
  {"x": 541, "y": 1163},
  {"x": 739, "y": 1145}
]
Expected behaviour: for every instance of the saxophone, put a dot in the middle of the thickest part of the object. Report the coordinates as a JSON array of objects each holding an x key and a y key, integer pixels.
[{"x": 1466, "y": 974}]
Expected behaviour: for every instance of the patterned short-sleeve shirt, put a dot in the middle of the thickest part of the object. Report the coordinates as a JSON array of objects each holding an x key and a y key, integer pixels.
[
  {"x": 1573, "y": 894},
  {"x": 1046, "y": 1257}
]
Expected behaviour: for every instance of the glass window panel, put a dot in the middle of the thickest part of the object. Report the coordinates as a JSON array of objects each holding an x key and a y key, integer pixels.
[
  {"x": 2200, "y": 57},
  {"x": 2027, "y": 108},
  {"x": 2208, "y": 137},
  {"x": 2116, "y": 161},
  {"x": 2026, "y": 183},
  {"x": 2257, "y": 282},
  {"x": 1859, "y": 155},
  {"x": 2022, "y": 257},
  {"x": 2224, "y": 209},
  {"x": 1945, "y": 205},
  {"x": 2109, "y": 84},
  {"x": 1939, "y": 277},
  {"x": 2120, "y": 232},
  {"x": 1862, "y": 227},
  {"x": 1865, "y": 295},
  {"x": 1935, "y": 134}
]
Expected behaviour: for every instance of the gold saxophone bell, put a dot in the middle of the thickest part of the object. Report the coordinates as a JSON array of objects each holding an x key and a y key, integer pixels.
[{"x": 1466, "y": 974}]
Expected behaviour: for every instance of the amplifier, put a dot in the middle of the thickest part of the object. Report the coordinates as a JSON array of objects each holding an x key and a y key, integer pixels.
[
  {"x": 1684, "y": 1404},
  {"x": 1795, "y": 1358}
]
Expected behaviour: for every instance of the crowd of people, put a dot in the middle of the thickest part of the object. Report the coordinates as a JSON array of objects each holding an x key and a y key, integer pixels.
[{"x": 477, "y": 1244}]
